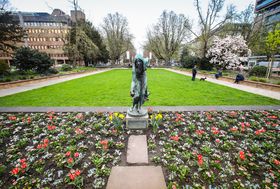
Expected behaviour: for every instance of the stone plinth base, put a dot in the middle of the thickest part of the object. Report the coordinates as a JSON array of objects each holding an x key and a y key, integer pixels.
[{"x": 137, "y": 122}]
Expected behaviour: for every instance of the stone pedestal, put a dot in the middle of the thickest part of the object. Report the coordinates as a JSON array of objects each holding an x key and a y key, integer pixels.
[{"x": 140, "y": 122}]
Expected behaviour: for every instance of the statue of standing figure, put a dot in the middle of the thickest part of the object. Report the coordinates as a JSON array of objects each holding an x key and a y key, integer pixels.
[{"x": 139, "y": 91}]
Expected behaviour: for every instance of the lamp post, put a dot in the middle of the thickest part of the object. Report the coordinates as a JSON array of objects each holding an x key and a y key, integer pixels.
[{"x": 25, "y": 37}]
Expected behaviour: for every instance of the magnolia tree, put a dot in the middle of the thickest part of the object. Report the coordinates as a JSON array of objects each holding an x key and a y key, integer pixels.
[{"x": 229, "y": 52}]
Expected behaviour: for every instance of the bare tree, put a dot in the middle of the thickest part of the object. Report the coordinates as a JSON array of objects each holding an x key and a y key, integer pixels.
[
  {"x": 117, "y": 36},
  {"x": 210, "y": 23},
  {"x": 166, "y": 37},
  {"x": 4, "y": 4}
]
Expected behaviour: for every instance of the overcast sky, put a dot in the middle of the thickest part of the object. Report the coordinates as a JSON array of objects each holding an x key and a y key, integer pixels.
[{"x": 141, "y": 14}]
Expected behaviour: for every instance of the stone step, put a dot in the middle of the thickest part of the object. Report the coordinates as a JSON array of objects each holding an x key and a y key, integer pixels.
[
  {"x": 137, "y": 152},
  {"x": 136, "y": 177}
]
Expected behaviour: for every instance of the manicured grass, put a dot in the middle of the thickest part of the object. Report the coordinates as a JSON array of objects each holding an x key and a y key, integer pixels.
[{"x": 112, "y": 89}]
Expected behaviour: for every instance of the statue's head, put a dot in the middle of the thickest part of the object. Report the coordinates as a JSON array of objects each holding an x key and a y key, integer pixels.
[{"x": 139, "y": 67}]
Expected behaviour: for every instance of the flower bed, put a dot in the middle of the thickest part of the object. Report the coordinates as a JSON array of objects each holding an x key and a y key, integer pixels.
[
  {"x": 229, "y": 149},
  {"x": 59, "y": 150},
  {"x": 234, "y": 149}
]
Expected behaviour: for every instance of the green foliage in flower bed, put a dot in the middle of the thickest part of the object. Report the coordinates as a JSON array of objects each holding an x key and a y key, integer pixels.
[
  {"x": 59, "y": 150},
  {"x": 112, "y": 89},
  {"x": 227, "y": 149}
]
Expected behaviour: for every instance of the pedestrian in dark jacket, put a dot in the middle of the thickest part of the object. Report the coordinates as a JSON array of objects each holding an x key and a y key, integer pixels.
[
  {"x": 239, "y": 77},
  {"x": 194, "y": 71}
]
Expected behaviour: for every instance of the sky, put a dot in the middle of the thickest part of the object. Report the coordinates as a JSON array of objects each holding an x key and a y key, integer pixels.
[{"x": 141, "y": 14}]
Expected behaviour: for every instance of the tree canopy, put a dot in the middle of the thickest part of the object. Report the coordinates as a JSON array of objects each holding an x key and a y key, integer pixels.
[
  {"x": 166, "y": 37},
  {"x": 118, "y": 39},
  {"x": 10, "y": 30}
]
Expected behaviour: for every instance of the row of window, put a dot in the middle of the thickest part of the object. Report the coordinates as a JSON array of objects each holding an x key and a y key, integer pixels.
[
  {"x": 44, "y": 24},
  {"x": 44, "y": 39},
  {"x": 47, "y": 31},
  {"x": 44, "y": 47}
]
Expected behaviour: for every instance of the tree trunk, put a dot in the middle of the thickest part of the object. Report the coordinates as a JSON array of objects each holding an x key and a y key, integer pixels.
[{"x": 204, "y": 50}]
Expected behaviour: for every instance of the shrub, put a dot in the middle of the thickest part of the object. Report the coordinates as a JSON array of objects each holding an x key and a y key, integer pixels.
[
  {"x": 66, "y": 67},
  {"x": 258, "y": 71},
  {"x": 26, "y": 59},
  {"x": 4, "y": 67},
  {"x": 53, "y": 71},
  {"x": 264, "y": 80},
  {"x": 253, "y": 78},
  {"x": 202, "y": 63}
]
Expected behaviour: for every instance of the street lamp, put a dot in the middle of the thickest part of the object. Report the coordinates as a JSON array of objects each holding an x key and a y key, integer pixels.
[{"x": 25, "y": 37}]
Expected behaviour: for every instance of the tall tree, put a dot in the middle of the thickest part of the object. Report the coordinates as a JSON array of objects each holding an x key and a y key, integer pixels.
[
  {"x": 96, "y": 38},
  {"x": 228, "y": 52},
  {"x": 117, "y": 35},
  {"x": 166, "y": 37},
  {"x": 210, "y": 23},
  {"x": 80, "y": 46},
  {"x": 10, "y": 30},
  {"x": 273, "y": 44}
]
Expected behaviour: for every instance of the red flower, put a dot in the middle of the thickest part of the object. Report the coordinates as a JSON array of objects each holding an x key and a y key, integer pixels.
[
  {"x": 199, "y": 132},
  {"x": 199, "y": 159},
  {"x": 67, "y": 154},
  {"x": 242, "y": 155},
  {"x": 215, "y": 130},
  {"x": 46, "y": 141},
  {"x": 104, "y": 143},
  {"x": 29, "y": 120},
  {"x": 15, "y": 171},
  {"x": 12, "y": 118},
  {"x": 72, "y": 176},
  {"x": 79, "y": 131},
  {"x": 258, "y": 132},
  {"x": 272, "y": 117},
  {"x": 233, "y": 129},
  {"x": 39, "y": 146},
  {"x": 76, "y": 154},
  {"x": 276, "y": 162},
  {"x": 22, "y": 160},
  {"x": 77, "y": 172},
  {"x": 70, "y": 160},
  {"x": 51, "y": 127},
  {"x": 175, "y": 138},
  {"x": 179, "y": 117},
  {"x": 23, "y": 165}
]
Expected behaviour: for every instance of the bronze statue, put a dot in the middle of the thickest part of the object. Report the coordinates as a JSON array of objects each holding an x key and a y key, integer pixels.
[{"x": 138, "y": 90}]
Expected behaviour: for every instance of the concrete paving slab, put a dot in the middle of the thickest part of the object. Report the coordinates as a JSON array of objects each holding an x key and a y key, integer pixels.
[
  {"x": 136, "y": 177},
  {"x": 124, "y": 109},
  {"x": 137, "y": 152}
]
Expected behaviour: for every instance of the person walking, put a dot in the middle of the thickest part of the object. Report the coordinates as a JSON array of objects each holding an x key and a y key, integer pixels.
[{"x": 194, "y": 71}]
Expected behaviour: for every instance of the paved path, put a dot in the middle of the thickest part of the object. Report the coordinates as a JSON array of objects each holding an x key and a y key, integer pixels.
[
  {"x": 27, "y": 87},
  {"x": 263, "y": 92},
  {"x": 124, "y": 108}
]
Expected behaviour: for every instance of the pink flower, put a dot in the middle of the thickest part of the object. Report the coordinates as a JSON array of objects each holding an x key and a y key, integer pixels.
[
  {"x": 76, "y": 154},
  {"x": 68, "y": 153},
  {"x": 276, "y": 162},
  {"x": 217, "y": 140}
]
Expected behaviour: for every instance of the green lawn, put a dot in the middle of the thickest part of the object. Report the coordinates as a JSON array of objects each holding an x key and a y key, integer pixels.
[{"x": 112, "y": 89}]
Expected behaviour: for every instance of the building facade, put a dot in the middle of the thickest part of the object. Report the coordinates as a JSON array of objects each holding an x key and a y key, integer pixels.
[
  {"x": 267, "y": 13},
  {"x": 44, "y": 32}
]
